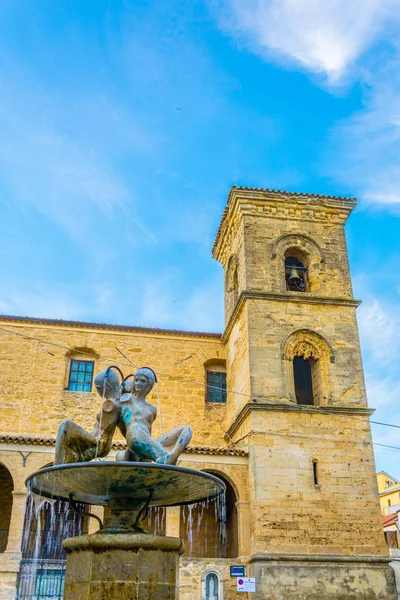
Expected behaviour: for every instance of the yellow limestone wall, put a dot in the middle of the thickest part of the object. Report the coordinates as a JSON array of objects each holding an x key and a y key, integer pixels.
[
  {"x": 33, "y": 402},
  {"x": 34, "y": 399}
]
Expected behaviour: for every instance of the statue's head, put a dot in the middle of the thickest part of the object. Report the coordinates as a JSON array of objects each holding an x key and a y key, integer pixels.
[
  {"x": 144, "y": 380},
  {"x": 107, "y": 382}
]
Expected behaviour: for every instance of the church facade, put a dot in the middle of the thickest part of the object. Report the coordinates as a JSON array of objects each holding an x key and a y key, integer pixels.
[{"x": 277, "y": 404}]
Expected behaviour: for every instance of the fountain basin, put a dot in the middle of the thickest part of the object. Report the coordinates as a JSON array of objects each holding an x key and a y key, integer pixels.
[
  {"x": 122, "y": 560},
  {"x": 124, "y": 484}
]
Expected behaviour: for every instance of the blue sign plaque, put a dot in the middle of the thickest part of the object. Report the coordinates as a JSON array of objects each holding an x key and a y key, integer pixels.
[{"x": 237, "y": 570}]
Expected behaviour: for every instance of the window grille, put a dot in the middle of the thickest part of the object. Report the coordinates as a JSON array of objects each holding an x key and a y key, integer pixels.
[
  {"x": 80, "y": 375},
  {"x": 216, "y": 387}
]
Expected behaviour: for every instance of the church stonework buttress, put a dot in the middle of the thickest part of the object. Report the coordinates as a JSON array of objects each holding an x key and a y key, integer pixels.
[{"x": 293, "y": 354}]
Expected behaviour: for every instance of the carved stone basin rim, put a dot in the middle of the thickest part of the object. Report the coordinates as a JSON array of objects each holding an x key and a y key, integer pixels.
[{"x": 125, "y": 484}]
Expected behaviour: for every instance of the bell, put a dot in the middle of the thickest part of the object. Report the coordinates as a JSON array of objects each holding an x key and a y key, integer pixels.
[{"x": 294, "y": 277}]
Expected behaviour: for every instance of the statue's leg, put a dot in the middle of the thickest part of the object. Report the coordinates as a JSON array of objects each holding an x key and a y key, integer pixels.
[
  {"x": 73, "y": 444},
  {"x": 142, "y": 445},
  {"x": 175, "y": 442},
  {"x": 127, "y": 455}
]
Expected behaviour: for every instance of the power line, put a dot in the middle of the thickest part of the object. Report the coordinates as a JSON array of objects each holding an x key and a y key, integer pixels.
[
  {"x": 129, "y": 364},
  {"x": 385, "y": 424},
  {"x": 386, "y": 446},
  {"x": 118, "y": 362}
]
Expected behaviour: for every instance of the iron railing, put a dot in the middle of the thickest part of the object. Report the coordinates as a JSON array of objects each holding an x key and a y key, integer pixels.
[
  {"x": 41, "y": 580},
  {"x": 3, "y": 539}
]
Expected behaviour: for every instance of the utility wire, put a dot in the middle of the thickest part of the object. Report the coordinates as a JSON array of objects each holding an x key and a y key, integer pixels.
[
  {"x": 385, "y": 424},
  {"x": 386, "y": 446},
  {"x": 118, "y": 362},
  {"x": 175, "y": 377}
]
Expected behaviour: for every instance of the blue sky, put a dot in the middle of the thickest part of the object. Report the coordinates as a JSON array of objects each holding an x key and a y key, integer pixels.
[{"x": 123, "y": 126}]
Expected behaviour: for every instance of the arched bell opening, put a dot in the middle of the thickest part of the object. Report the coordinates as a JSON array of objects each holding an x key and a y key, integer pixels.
[
  {"x": 6, "y": 501},
  {"x": 210, "y": 529},
  {"x": 296, "y": 271}
]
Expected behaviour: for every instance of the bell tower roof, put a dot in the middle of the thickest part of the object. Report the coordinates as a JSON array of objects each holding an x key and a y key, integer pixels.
[{"x": 280, "y": 204}]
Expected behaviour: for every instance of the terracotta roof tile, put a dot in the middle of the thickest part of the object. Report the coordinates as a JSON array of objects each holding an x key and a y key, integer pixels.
[
  {"x": 92, "y": 325},
  {"x": 40, "y": 440}
]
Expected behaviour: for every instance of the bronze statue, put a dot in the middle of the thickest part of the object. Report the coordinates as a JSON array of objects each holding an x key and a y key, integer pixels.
[{"x": 124, "y": 406}]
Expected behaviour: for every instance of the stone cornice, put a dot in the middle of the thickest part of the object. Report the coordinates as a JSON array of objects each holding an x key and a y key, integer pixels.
[
  {"x": 281, "y": 204},
  {"x": 283, "y": 407},
  {"x": 301, "y": 298},
  {"x": 321, "y": 558},
  {"x": 13, "y": 319},
  {"x": 38, "y": 440}
]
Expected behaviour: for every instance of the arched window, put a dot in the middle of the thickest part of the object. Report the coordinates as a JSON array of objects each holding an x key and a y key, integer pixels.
[
  {"x": 6, "y": 500},
  {"x": 209, "y": 529},
  {"x": 303, "y": 379},
  {"x": 310, "y": 256},
  {"x": 308, "y": 358},
  {"x": 295, "y": 272},
  {"x": 81, "y": 365}
]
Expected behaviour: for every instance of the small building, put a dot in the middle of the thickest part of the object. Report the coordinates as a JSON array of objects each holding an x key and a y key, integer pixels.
[
  {"x": 389, "y": 493},
  {"x": 391, "y": 528}
]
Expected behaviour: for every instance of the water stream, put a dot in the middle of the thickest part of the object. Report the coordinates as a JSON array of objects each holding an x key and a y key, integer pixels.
[
  {"x": 47, "y": 524},
  {"x": 159, "y": 415},
  {"x": 203, "y": 527}
]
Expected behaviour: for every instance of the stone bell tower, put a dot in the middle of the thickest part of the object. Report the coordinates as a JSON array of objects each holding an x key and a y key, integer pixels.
[{"x": 293, "y": 353}]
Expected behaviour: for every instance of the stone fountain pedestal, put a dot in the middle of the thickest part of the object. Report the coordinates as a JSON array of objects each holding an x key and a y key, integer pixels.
[
  {"x": 121, "y": 561},
  {"x": 124, "y": 566}
]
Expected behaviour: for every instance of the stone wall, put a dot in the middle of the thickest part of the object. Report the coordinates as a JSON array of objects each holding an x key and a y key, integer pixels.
[
  {"x": 300, "y": 578},
  {"x": 34, "y": 399},
  {"x": 289, "y": 512}
]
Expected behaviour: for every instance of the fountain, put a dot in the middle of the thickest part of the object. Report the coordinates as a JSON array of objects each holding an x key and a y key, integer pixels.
[{"x": 122, "y": 560}]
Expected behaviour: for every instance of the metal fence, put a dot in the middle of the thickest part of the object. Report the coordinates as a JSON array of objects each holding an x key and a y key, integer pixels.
[{"x": 41, "y": 580}]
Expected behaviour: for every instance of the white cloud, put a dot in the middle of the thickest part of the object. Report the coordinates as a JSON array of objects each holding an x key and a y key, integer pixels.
[
  {"x": 379, "y": 324},
  {"x": 201, "y": 309},
  {"x": 365, "y": 148},
  {"x": 379, "y": 329},
  {"x": 53, "y": 304},
  {"x": 331, "y": 39},
  {"x": 324, "y": 37}
]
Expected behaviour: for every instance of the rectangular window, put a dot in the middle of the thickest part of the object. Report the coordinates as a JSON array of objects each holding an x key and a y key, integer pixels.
[
  {"x": 315, "y": 472},
  {"x": 80, "y": 375},
  {"x": 216, "y": 390}
]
